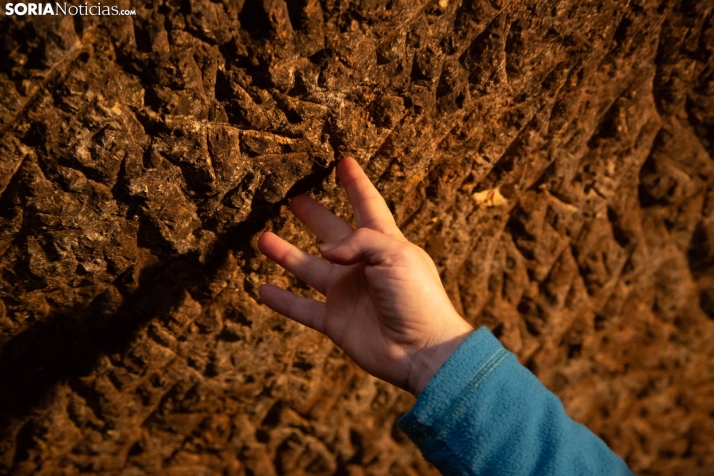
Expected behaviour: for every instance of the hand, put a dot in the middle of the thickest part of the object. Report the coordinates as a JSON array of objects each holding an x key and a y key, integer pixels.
[{"x": 386, "y": 307}]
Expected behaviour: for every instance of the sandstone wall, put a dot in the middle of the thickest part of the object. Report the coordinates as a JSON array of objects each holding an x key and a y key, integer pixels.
[{"x": 553, "y": 156}]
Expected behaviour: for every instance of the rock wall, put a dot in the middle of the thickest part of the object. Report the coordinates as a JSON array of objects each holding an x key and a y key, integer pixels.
[{"x": 553, "y": 156}]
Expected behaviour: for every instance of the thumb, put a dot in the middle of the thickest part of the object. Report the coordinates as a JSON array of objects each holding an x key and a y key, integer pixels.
[{"x": 363, "y": 245}]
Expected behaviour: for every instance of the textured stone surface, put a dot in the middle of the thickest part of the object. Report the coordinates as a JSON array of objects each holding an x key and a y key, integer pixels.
[{"x": 553, "y": 156}]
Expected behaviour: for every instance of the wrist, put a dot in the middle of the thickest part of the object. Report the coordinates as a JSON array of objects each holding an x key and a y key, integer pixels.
[{"x": 429, "y": 359}]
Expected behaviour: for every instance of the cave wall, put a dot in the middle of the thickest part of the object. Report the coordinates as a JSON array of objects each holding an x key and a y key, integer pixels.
[{"x": 554, "y": 157}]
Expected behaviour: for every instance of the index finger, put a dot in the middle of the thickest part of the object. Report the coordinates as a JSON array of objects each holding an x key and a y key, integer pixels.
[{"x": 371, "y": 210}]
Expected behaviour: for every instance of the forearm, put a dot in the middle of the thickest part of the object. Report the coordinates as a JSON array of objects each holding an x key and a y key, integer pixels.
[{"x": 484, "y": 413}]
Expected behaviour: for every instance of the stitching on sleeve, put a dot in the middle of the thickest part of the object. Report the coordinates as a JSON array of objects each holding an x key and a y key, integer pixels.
[
  {"x": 469, "y": 389},
  {"x": 493, "y": 367},
  {"x": 450, "y": 414}
]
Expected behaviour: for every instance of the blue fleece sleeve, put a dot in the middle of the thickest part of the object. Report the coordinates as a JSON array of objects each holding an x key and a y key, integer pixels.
[{"x": 484, "y": 413}]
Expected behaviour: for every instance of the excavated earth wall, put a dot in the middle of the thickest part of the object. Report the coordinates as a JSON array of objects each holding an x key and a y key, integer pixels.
[{"x": 554, "y": 157}]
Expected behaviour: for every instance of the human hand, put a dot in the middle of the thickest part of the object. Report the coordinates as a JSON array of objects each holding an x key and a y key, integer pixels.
[{"x": 386, "y": 307}]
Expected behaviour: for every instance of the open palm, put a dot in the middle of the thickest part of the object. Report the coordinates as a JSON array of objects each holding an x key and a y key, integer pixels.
[{"x": 386, "y": 307}]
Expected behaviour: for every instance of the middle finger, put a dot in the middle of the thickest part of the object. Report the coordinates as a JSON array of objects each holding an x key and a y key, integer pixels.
[{"x": 325, "y": 224}]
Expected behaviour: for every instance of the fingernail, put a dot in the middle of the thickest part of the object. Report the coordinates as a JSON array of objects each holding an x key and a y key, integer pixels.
[{"x": 327, "y": 246}]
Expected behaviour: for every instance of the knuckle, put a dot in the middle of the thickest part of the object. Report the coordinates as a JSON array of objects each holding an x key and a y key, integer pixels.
[
  {"x": 408, "y": 252},
  {"x": 363, "y": 233},
  {"x": 421, "y": 254}
]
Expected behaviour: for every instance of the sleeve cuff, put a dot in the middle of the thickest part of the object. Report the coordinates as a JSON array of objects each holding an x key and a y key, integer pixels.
[{"x": 465, "y": 370}]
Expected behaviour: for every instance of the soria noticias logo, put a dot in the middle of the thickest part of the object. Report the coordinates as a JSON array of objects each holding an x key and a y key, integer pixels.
[{"x": 22, "y": 9}]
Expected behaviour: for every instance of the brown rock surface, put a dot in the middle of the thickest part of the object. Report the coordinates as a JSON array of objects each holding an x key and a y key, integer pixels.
[{"x": 553, "y": 156}]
